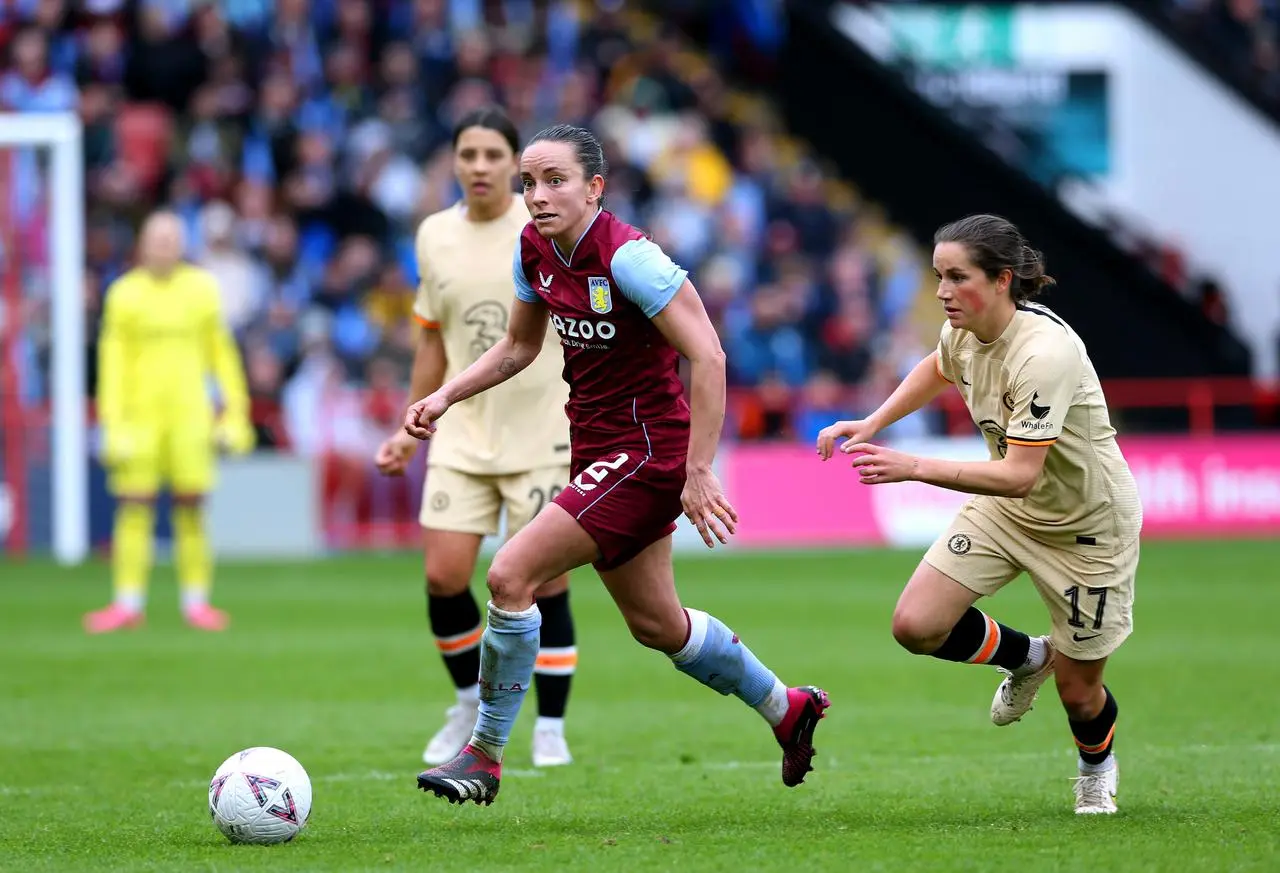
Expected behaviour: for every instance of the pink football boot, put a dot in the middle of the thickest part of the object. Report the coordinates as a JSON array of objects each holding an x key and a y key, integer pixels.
[
  {"x": 113, "y": 618},
  {"x": 808, "y": 706},
  {"x": 205, "y": 617}
]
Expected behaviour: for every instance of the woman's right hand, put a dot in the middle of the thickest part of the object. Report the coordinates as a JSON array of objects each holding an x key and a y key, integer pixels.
[
  {"x": 419, "y": 421},
  {"x": 852, "y": 432}
]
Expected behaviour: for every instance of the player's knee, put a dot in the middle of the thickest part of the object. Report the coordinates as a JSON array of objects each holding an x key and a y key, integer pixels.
[
  {"x": 441, "y": 583},
  {"x": 1081, "y": 698},
  {"x": 917, "y": 632},
  {"x": 652, "y": 632},
  {"x": 510, "y": 587}
]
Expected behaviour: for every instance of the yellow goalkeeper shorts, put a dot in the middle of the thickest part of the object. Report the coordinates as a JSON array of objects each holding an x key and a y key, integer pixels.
[{"x": 152, "y": 457}]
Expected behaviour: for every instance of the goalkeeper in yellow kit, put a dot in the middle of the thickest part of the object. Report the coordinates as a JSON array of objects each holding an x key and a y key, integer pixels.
[{"x": 162, "y": 336}]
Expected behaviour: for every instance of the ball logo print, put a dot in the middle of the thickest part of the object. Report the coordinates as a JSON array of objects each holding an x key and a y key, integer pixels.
[
  {"x": 260, "y": 785},
  {"x": 215, "y": 794},
  {"x": 288, "y": 812}
]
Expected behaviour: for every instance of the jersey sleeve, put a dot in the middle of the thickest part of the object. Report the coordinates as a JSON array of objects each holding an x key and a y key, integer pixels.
[
  {"x": 946, "y": 366},
  {"x": 426, "y": 308},
  {"x": 113, "y": 350},
  {"x": 1043, "y": 387},
  {"x": 646, "y": 276},
  {"x": 524, "y": 290}
]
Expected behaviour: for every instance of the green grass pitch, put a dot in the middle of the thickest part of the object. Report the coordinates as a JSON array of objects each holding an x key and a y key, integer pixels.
[{"x": 107, "y": 744}]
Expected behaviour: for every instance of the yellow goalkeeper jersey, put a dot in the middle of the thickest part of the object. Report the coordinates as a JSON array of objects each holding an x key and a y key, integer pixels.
[{"x": 161, "y": 340}]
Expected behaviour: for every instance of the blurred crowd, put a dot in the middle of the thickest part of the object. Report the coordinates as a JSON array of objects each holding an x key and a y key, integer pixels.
[
  {"x": 303, "y": 140},
  {"x": 1244, "y": 35}
]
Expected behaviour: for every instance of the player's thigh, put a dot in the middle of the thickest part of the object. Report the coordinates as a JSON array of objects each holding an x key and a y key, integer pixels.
[
  {"x": 460, "y": 502},
  {"x": 549, "y": 546},
  {"x": 526, "y": 494},
  {"x": 971, "y": 559},
  {"x": 644, "y": 588},
  {"x": 189, "y": 461},
  {"x": 141, "y": 474},
  {"x": 1089, "y": 596},
  {"x": 449, "y": 560},
  {"x": 626, "y": 501}
]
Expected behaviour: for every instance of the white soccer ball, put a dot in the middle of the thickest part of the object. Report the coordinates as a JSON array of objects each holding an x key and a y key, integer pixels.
[{"x": 261, "y": 795}]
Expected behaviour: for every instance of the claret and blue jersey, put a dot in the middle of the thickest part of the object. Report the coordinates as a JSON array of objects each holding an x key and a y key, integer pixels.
[{"x": 602, "y": 295}]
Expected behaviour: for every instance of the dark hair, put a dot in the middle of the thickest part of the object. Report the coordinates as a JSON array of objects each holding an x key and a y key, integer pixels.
[
  {"x": 586, "y": 147},
  {"x": 995, "y": 244},
  {"x": 493, "y": 118}
]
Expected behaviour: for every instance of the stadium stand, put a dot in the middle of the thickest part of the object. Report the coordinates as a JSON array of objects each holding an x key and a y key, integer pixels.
[{"x": 302, "y": 142}]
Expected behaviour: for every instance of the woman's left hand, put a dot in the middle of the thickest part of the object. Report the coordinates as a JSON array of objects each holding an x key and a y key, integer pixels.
[
  {"x": 877, "y": 465},
  {"x": 706, "y": 506}
]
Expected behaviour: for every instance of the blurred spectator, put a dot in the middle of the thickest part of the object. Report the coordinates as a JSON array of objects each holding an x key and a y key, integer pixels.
[
  {"x": 1241, "y": 35},
  {"x": 239, "y": 278},
  {"x": 824, "y": 401},
  {"x": 29, "y": 85},
  {"x": 1213, "y": 301}
]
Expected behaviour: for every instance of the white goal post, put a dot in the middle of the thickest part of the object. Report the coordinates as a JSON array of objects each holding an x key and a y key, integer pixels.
[{"x": 61, "y": 134}]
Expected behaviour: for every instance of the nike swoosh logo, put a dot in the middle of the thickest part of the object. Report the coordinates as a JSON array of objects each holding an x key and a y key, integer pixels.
[
  {"x": 965, "y": 381},
  {"x": 1080, "y": 639}
]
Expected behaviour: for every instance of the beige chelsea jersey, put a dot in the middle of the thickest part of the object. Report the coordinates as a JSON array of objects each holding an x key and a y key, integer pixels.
[
  {"x": 466, "y": 293},
  {"x": 1035, "y": 386}
]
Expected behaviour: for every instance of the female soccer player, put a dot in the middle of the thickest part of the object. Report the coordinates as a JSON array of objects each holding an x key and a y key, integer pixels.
[
  {"x": 507, "y": 448},
  {"x": 624, "y": 313},
  {"x": 163, "y": 336},
  {"x": 1056, "y": 500}
]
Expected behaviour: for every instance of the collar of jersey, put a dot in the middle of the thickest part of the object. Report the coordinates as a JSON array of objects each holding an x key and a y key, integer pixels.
[
  {"x": 1009, "y": 330},
  {"x": 568, "y": 262}
]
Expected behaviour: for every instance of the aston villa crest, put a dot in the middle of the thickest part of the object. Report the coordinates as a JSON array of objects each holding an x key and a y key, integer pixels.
[{"x": 600, "y": 295}]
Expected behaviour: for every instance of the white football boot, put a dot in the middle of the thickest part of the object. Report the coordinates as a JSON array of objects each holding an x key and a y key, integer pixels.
[
  {"x": 460, "y": 722},
  {"x": 550, "y": 748},
  {"x": 1096, "y": 792},
  {"x": 1018, "y": 691}
]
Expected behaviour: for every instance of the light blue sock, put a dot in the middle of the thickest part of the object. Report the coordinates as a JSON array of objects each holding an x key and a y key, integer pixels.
[
  {"x": 715, "y": 657},
  {"x": 508, "y": 650}
]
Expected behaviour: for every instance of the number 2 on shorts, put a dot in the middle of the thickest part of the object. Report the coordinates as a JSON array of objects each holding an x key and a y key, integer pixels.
[{"x": 598, "y": 471}]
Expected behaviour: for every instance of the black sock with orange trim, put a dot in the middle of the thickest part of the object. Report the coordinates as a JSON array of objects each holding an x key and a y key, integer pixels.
[
  {"x": 978, "y": 638},
  {"x": 557, "y": 656},
  {"x": 455, "y": 622},
  {"x": 1096, "y": 737}
]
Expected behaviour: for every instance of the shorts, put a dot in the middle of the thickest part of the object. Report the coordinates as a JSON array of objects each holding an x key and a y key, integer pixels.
[
  {"x": 1089, "y": 590},
  {"x": 626, "y": 501},
  {"x": 472, "y": 502},
  {"x": 183, "y": 459}
]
